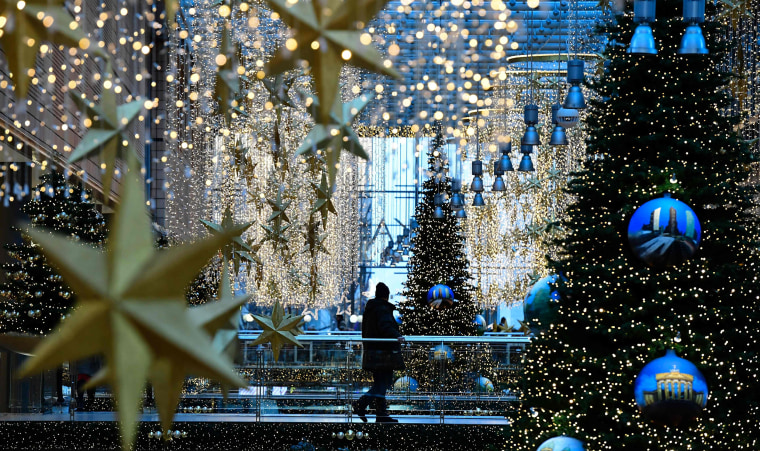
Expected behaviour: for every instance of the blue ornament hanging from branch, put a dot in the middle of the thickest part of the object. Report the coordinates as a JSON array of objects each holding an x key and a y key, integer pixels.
[{"x": 664, "y": 232}]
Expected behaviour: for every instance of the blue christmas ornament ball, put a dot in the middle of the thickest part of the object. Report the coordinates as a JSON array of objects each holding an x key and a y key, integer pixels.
[
  {"x": 540, "y": 303},
  {"x": 441, "y": 352},
  {"x": 484, "y": 384},
  {"x": 670, "y": 390},
  {"x": 562, "y": 443},
  {"x": 440, "y": 296},
  {"x": 397, "y": 316},
  {"x": 664, "y": 232},
  {"x": 406, "y": 383},
  {"x": 480, "y": 324}
]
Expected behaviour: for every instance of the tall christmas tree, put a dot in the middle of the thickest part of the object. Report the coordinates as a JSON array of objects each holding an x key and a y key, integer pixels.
[
  {"x": 34, "y": 299},
  {"x": 437, "y": 258},
  {"x": 663, "y": 124}
]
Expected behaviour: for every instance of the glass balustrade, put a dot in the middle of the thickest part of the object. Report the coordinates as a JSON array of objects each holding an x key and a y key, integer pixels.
[{"x": 443, "y": 376}]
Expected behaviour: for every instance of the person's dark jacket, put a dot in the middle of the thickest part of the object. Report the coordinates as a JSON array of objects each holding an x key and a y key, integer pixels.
[{"x": 378, "y": 322}]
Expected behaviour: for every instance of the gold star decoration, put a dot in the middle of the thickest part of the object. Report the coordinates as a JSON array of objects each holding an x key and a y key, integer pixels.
[
  {"x": 228, "y": 77},
  {"x": 524, "y": 328},
  {"x": 107, "y": 132},
  {"x": 277, "y": 235},
  {"x": 279, "y": 95},
  {"x": 533, "y": 229},
  {"x": 278, "y": 88},
  {"x": 278, "y": 209},
  {"x": 552, "y": 224},
  {"x": 314, "y": 240},
  {"x": 254, "y": 262},
  {"x": 131, "y": 307},
  {"x": 324, "y": 203},
  {"x": 279, "y": 329},
  {"x": 314, "y": 281},
  {"x": 240, "y": 161},
  {"x": 257, "y": 199},
  {"x": 228, "y": 226},
  {"x": 314, "y": 160},
  {"x": 554, "y": 174},
  {"x": 25, "y": 28},
  {"x": 532, "y": 182},
  {"x": 217, "y": 319},
  {"x": 328, "y": 35},
  {"x": 337, "y": 134}
]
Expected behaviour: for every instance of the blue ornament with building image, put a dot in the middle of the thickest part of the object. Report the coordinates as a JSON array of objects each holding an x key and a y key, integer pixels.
[
  {"x": 480, "y": 324},
  {"x": 541, "y": 303},
  {"x": 442, "y": 352},
  {"x": 670, "y": 390},
  {"x": 406, "y": 384},
  {"x": 664, "y": 232},
  {"x": 440, "y": 296},
  {"x": 561, "y": 443},
  {"x": 484, "y": 384}
]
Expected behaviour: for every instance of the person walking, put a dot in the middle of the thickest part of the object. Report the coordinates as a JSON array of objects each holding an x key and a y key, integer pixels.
[{"x": 380, "y": 358}]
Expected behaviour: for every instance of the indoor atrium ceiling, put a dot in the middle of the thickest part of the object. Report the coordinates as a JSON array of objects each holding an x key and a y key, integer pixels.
[
  {"x": 449, "y": 52},
  {"x": 466, "y": 47}
]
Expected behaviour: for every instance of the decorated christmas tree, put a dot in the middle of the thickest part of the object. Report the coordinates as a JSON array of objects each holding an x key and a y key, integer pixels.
[
  {"x": 34, "y": 298},
  {"x": 662, "y": 124},
  {"x": 437, "y": 258}
]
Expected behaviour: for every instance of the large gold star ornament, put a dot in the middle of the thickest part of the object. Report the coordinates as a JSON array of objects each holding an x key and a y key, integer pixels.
[
  {"x": 279, "y": 329},
  {"x": 327, "y": 34},
  {"x": 217, "y": 319},
  {"x": 524, "y": 328},
  {"x": 131, "y": 308}
]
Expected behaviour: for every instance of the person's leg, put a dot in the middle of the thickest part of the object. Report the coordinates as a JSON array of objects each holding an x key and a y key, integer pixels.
[
  {"x": 59, "y": 385},
  {"x": 90, "y": 398},
  {"x": 360, "y": 405},
  {"x": 383, "y": 379},
  {"x": 80, "y": 393}
]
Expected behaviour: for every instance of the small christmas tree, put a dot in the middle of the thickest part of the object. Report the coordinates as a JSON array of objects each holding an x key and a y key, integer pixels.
[
  {"x": 662, "y": 124},
  {"x": 34, "y": 299}
]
